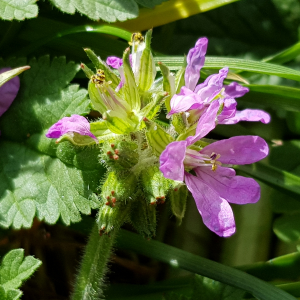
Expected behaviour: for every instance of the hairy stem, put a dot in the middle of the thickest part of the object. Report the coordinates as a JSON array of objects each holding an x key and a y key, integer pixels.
[{"x": 89, "y": 281}]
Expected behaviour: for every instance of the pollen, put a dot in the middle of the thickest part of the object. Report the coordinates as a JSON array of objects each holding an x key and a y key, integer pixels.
[
  {"x": 136, "y": 37},
  {"x": 98, "y": 78},
  {"x": 214, "y": 161}
]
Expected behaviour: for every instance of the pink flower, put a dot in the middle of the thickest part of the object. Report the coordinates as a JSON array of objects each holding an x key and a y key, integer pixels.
[
  {"x": 196, "y": 99},
  {"x": 75, "y": 123},
  {"x": 8, "y": 92},
  {"x": 214, "y": 186}
]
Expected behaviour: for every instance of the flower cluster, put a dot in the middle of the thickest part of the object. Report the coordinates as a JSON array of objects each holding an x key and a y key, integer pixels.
[{"x": 149, "y": 163}]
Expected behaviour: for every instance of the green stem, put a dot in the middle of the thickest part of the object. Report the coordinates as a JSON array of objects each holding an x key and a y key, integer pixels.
[
  {"x": 89, "y": 281},
  {"x": 199, "y": 265}
]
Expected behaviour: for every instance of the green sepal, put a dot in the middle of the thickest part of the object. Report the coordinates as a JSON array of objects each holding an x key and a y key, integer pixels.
[
  {"x": 179, "y": 77},
  {"x": 118, "y": 188},
  {"x": 152, "y": 108},
  {"x": 119, "y": 154},
  {"x": 147, "y": 70},
  {"x": 96, "y": 99},
  {"x": 168, "y": 83},
  {"x": 110, "y": 218},
  {"x": 178, "y": 196},
  {"x": 99, "y": 129},
  {"x": 178, "y": 122},
  {"x": 129, "y": 89},
  {"x": 76, "y": 139},
  {"x": 143, "y": 217},
  {"x": 155, "y": 185},
  {"x": 120, "y": 125},
  {"x": 87, "y": 71},
  {"x": 8, "y": 75},
  {"x": 157, "y": 138},
  {"x": 100, "y": 64}
]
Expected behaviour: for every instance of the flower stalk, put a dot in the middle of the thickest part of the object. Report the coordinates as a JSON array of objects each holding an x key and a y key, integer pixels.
[{"x": 90, "y": 279}]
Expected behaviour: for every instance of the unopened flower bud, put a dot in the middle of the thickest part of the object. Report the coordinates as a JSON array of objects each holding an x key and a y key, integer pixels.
[
  {"x": 178, "y": 196},
  {"x": 119, "y": 188},
  {"x": 120, "y": 155},
  {"x": 155, "y": 185}
]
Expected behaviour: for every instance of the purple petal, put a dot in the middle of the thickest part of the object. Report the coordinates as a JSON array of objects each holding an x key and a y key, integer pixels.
[
  {"x": 8, "y": 92},
  {"x": 235, "y": 90},
  {"x": 184, "y": 101},
  {"x": 239, "y": 150},
  {"x": 229, "y": 110},
  {"x": 212, "y": 86},
  {"x": 235, "y": 189},
  {"x": 116, "y": 62},
  {"x": 75, "y": 123},
  {"x": 216, "y": 212},
  {"x": 252, "y": 115},
  {"x": 206, "y": 123},
  {"x": 171, "y": 160},
  {"x": 195, "y": 61}
]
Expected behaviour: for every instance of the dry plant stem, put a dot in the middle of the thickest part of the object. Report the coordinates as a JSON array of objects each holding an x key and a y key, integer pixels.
[{"x": 89, "y": 281}]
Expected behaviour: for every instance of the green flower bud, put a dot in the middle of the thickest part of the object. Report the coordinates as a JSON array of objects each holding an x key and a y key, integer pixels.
[
  {"x": 157, "y": 138},
  {"x": 168, "y": 83},
  {"x": 110, "y": 218},
  {"x": 143, "y": 217},
  {"x": 119, "y": 155},
  {"x": 178, "y": 196},
  {"x": 155, "y": 185},
  {"x": 100, "y": 64},
  {"x": 118, "y": 188}
]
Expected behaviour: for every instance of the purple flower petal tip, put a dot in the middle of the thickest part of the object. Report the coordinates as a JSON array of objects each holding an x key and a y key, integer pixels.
[
  {"x": 75, "y": 123},
  {"x": 239, "y": 150},
  {"x": 195, "y": 61},
  {"x": 8, "y": 92},
  {"x": 250, "y": 115},
  {"x": 114, "y": 62}
]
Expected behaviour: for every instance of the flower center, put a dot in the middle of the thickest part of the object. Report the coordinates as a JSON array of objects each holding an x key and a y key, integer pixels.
[{"x": 195, "y": 159}]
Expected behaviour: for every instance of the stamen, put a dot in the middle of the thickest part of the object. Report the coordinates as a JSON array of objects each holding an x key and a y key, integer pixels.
[
  {"x": 136, "y": 37},
  {"x": 98, "y": 78}
]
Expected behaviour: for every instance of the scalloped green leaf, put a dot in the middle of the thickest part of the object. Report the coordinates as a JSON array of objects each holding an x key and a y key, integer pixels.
[
  {"x": 15, "y": 269},
  {"x": 35, "y": 184},
  {"x": 18, "y": 9},
  {"x": 107, "y": 10},
  {"x": 38, "y": 177}
]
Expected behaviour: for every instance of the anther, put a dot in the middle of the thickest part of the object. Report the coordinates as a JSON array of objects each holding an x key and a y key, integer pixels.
[
  {"x": 116, "y": 157},
  {"x": 112, "y": 145},
  {"x": 113, "y": 200},
  {"x": 108, "y": 153},
  {"x": 107, "y": 197},
  {"x": 112, "y": 192},
  {"x": 107, "y": 203},
  {"x": 117, "y": 151}
]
